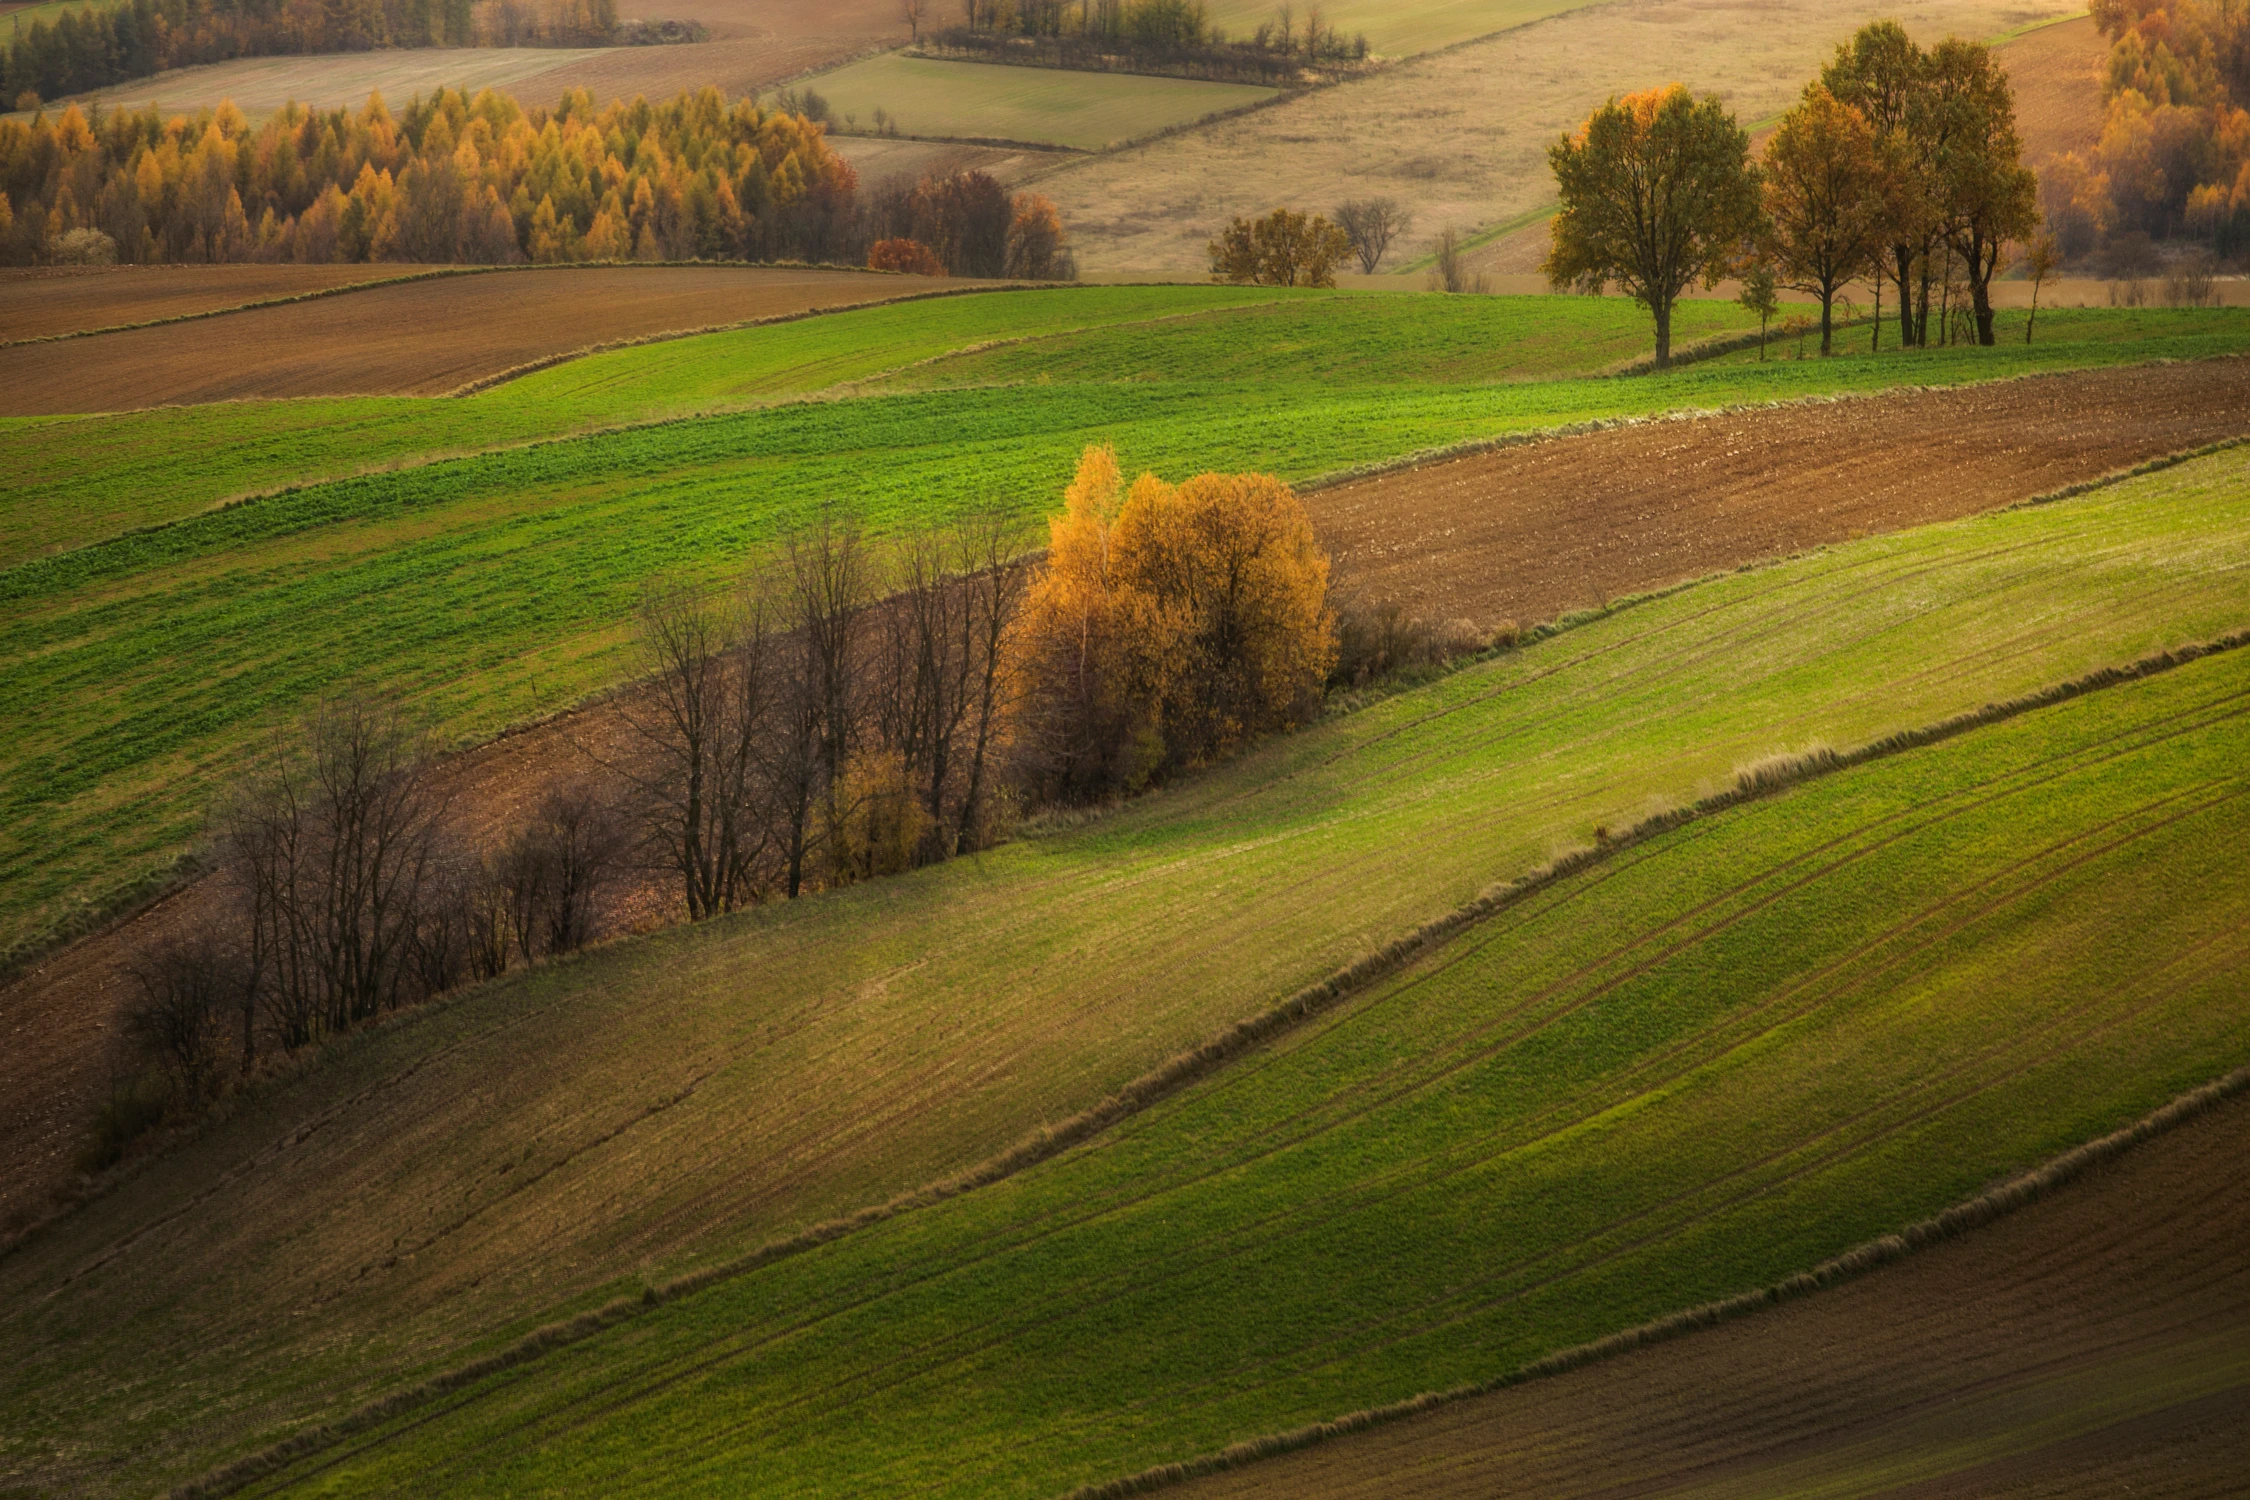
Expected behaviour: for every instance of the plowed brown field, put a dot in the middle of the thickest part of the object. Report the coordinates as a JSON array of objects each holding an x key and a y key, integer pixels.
[
  {"x": 1530, "y": 532},
  {"x": 1525, "y": 533},
  {"x": 416, "y": 338},
  {"x": 2095, "y": 1343},
  {"x": 40, "y": 303}
]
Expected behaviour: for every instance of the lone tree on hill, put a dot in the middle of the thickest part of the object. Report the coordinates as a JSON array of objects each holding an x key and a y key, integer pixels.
[
  {"x": 1825, "y": 193},
  {"x": 1281, "y": 249},
  {"x": 1657, "y": 191}
]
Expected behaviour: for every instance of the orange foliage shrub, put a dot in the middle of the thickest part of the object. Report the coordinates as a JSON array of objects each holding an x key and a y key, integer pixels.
[
  {"x": 1170, "y": 629},
  {"x": 910, "y": 256}
]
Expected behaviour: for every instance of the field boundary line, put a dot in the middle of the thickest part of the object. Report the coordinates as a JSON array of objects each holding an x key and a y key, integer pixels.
[
  {"x": 1971, "y": 1214},
  {"x": 1765, "y": 778},
  {"x": 439, "y": 273},
  {"x": 1478, "y": 447}
]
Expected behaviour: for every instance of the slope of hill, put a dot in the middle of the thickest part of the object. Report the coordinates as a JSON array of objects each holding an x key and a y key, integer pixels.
[
  {"x": 2097, "y": 1343},
  {"x": 536, "y": 1146},
  {"x": 1715, "y": 1058}
]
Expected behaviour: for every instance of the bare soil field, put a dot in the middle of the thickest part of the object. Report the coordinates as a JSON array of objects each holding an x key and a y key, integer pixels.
[
  {"x": 1524, "y": 534},
  {"x": 1461, "y": 136},
  {"x": 2056, "y": 71},
  {"x": 2095, "y": 1343},
  {"x": 416, "y": 338},
  {"x": 1527, "y": 533},
  {"x": 43, "y": 301}
]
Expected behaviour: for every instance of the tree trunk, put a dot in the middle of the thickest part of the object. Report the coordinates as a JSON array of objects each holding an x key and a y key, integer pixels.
[
  {"x": 1663, "y": 311},
  {"x": 1983, "y": 265},
  {"x": 1827, "y": 321},
  {"x": 1877, "y": 346},
  {"x": 1905, "y": 259}
]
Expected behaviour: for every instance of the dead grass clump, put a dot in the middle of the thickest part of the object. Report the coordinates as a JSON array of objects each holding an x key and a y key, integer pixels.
[{"x": 1784, "y": 768}]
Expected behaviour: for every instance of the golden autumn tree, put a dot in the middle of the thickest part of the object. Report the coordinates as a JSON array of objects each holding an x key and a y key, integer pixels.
[
  {"x": 1168, "y": 627},
  {"x": 1826, "y": 196}
]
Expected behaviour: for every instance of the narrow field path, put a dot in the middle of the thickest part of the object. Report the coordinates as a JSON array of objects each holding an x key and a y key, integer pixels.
[
  {"x": 1524, "y": 533},
  {"x": 2095, "y": 1343},
  {"x": 1527, "y": 533}
]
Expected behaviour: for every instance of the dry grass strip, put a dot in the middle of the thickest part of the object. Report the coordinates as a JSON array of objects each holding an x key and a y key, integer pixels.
[{"x": 1765, "y": 778}]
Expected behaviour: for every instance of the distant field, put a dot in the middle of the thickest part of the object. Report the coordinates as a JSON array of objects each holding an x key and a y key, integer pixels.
[
  {"x": 1461, "y": 137},
  {"x": 50, "y": 300},
  {"x": 260, "y": 85},
  {"x": 1726, "y": 1056},
  {"x": 1404, "y": 28},
  {"x": 494, "y": 589},
  {"x": 425, "y": 337},
  {"x": 2097, "y": 1342},
  {"x": 644, "y": 1139},
  {"x": 1041, "y": 106}
]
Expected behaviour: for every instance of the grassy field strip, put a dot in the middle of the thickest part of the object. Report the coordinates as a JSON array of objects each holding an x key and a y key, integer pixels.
[
  {"x": 1402, "y": 30},
  {"x": 97, "y": 476},
  {"x": 1034, "y": 106},
  {"x": 822, "y": 1056},
  {"x": 1748, "y": 1046},
  {"x": 494, "y": 589}
]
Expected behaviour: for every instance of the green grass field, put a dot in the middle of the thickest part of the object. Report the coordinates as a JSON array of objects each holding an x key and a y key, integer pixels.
[
  {"x": 535, "y": 1146},
  {"x": 1038, "y": 106},
  {"x": 1400, "y": 29},
  {"x": 495, "y": 588},
  {"x": 1718, "y": 1058}
]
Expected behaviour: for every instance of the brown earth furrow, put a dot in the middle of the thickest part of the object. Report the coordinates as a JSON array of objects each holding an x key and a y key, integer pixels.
[
  {"x": 60, "y": 1019},
  {"x": 422, "y": 337},
  {"x": 2142, "y": 1259}
]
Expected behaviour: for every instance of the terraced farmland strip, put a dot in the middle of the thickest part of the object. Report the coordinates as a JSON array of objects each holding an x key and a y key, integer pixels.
[
  {"x": 1730, "y": 1053},
  {"x": 2091, "y": 1344},
  {"x": 62, "y": 300},
  {"x": 560, "y": 1132}
]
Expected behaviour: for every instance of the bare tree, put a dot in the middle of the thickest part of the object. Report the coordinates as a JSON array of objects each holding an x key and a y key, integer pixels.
[
  {"x": 912, "y": 12},
  {"x": 184, "y": 983},
  {"x": 710, "y": 661},
  {"x": 831, "y": 583},
  {"x": 581, "y": 845},
  {"x": 331, "y": 836},
  {"x": 1372, "y": 224},
  {"x": 1449, "y": 266}
]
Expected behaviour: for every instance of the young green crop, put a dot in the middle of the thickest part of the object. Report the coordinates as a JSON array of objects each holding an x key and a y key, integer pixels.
[
  {"x": 486, "y": 1164},
  {"x": 1712, "y": 1061},
  {"x": 495, "y": 588}
]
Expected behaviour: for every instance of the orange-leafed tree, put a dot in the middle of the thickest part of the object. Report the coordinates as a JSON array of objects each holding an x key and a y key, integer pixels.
[
  {"x": 1227, "y": 570},
  {"x": 1168, "y": 627},
  {"x": 1825, "y": 194}
]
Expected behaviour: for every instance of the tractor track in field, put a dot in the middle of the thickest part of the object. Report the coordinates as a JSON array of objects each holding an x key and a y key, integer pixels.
[
  {"x": 1535, "y": 531},
  {"x": 1842, "y": 1139},
  {"x": 1989, "y": 1331}
]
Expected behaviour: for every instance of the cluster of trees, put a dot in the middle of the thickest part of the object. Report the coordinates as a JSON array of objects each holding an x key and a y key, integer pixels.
[
  {"x": 847, "y": 712},
  {"x": 966, "y": 224},
  {"x": 1167, "y": 36},
  {"x": 96, "y": 46},
  {"x": 480, "y": 180},
  {"x": 1169, "y": 626},
  {"x": 1899, "y": 164},
  {"x": 844, "y": 714},
  {"x": 1284, "y": 248},
  {"x": 2174, "y": 155}
]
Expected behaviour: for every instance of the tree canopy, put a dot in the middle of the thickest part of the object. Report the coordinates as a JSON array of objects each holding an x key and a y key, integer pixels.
[{"x": 1657, "y": 193}]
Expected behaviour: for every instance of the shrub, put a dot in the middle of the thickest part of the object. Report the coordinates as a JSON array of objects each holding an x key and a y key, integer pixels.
[
  {"x": 910, "y": 256},
  {"x": 1281, "y": 249}
]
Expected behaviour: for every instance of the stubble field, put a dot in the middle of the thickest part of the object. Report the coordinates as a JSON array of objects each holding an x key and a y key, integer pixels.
[{"x": 1461, "y": 137}]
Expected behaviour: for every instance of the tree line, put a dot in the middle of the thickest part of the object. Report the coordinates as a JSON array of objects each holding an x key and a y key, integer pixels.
[
  {"x": 964, "y": 223},
  {"x": 1899, "y": 165},
  {"x": 2173, "y": 160},
  {"x": 96, "y": 46},
  {"x": 1147, "y": 36},
  {"x": 851, "y": 708}
]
